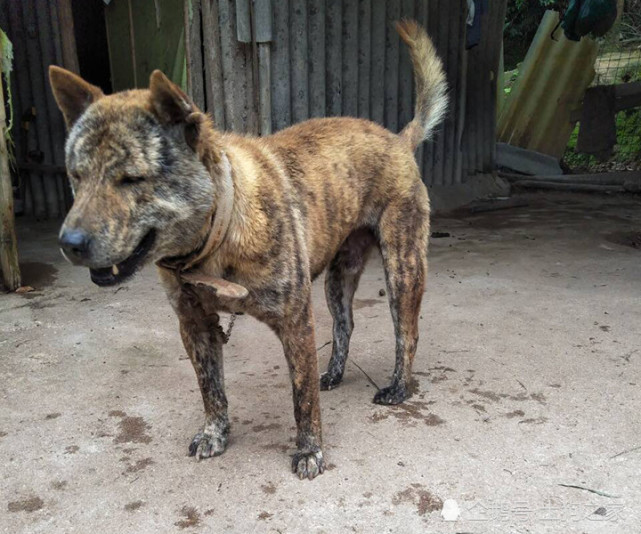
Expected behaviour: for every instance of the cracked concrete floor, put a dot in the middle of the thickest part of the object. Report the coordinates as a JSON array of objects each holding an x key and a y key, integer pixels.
[{"x": 528, "y": 375}]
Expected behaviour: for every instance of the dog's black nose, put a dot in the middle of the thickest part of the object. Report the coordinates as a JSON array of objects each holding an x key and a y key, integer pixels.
[{"x": 75, "y": 244}]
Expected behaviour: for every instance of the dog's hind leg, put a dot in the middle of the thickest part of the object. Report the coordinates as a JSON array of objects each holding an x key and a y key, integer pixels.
[
  {"x": 341, "y": 282},
  {"x": 404, "y": 233}
]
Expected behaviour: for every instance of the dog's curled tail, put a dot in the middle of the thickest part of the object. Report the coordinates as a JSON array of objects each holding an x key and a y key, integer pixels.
[{"x": 431, "y": 85}]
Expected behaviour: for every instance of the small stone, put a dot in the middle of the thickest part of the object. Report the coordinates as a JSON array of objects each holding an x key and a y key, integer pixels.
[
  {"x": 381, "y": 292},
  {"x": 25, "y": 289}
]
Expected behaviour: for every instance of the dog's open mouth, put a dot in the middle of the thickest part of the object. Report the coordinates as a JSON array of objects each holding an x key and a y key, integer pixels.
[{"x": 120, "y": 272}]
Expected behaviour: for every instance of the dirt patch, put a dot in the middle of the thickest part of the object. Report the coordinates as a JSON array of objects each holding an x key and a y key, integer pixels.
[
  {"x": 365, "y": 303},
  {"x": 269, "y": 489},
  {"x": 38, "y": 274},
  {"x": 31, "y": 504},
  {"x": 413, "y": 386},
  {"x": 433, "y": 420},
  {"x": 489, "y": 395},
  {"x": 409, "y": 413},
  {"x": 520, "y": 397},
  {"x": 264, "y": 516},
  {"x": 191, "y": 517},
  {"x": 50, "y": 416},
  {"x": 534, "y": 421},
  {"x": 133, "y": 506},
  {"x": 438, "y": 378},
  {"x": 538, "y": 397},
  {"x": 627, "y": 239},
  {"x": 140, "y": 465},
  {"x": 72, "y": 449},
  {"x": 261, "y": 428},
  {"x": 132, "y": 430},
  {"x": 515, "y": 413},
  {"x": 59, "y": 485},
  {"x": 443, "y": 368},
  {"x": 416, "y": 494},
  {"x": 276, "y": 447},
  {"x": 117, "y": 413}
]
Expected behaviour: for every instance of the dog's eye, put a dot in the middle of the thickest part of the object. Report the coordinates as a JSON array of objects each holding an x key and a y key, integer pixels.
[{"x": 130, "y": 180}]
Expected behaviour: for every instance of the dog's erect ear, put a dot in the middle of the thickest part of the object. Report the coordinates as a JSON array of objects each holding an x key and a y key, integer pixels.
[
  {"x": 168, "y": 100},
  {"x": 173, "y": 106},
  {"x": 72, "y": 93}
]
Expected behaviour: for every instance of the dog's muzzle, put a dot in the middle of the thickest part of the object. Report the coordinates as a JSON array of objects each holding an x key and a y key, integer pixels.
[{"x": 125, "y": 269}]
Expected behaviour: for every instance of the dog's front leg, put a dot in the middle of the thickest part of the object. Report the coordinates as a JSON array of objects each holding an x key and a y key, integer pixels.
[
  {"x": 297, "y": 335},
  {"x": 202, "y": 338}
]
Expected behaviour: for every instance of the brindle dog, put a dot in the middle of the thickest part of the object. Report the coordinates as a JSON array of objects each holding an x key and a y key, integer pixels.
[{"x": 244, "y": 224}]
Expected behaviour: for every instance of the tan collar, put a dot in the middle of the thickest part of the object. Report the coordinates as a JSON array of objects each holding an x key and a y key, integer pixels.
[
  {"x": 219, "y": 225},
  {"x": 221, "y": 217}
]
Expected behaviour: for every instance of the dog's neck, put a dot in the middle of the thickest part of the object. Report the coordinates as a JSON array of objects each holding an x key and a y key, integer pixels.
[
  {"x": 218, "y": 222},
  {"x": 222, "y": 212}
]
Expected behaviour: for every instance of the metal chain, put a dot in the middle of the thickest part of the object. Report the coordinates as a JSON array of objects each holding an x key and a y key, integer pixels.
[{"x": 227, "y": 335}]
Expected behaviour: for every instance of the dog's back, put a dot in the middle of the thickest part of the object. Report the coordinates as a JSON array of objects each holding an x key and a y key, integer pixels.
[{"x": 341, "y": 173}]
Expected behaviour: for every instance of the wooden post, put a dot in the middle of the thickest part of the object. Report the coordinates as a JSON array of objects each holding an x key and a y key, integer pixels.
[
  {"x": 393, "y": 13},
  {"x": 405, "y": 72},
  {"x": 364, "y": 56},
  {"x": 350, "y": 59},
  {"x": 298, "y": 46},
  {"x": 264, "y": 35},
  {"x": 69, "y": 51},
  {"x": 132, "y": 43},
  {"x": 377, "y": 86},
  {"x": 8, "y": 245},
  {"x": 264, "y": 76},
  {"x": 316, "y": 44},
  {"x": 456, "y": 18},
  {"x": 212, "y": 61},
  {"x": 333, "y": 58}
]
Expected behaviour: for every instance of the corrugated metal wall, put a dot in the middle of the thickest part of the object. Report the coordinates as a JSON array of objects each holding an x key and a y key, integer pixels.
[
  {"x": 315, "y": 58},
  {"x": 262, "y": 65},
  {"x": 38, "y": 130}
]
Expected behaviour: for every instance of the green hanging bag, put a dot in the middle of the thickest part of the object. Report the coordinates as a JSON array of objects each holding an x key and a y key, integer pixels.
[{"x": 585, "y": 17}]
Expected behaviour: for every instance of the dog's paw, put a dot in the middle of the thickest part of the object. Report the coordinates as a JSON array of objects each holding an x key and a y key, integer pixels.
[
  {"x": 329, "y": 381},
  {"x": 392, "y": 395},
  {"x": 308, "y": 464},
  {"x": 206, "y": 444}
]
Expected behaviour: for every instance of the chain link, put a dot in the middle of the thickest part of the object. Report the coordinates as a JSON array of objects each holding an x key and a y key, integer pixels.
[{"x": 227, "y": 335}]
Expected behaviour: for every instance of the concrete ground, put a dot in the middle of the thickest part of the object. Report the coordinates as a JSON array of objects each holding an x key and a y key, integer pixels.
[{"x": 528, "y": 368}]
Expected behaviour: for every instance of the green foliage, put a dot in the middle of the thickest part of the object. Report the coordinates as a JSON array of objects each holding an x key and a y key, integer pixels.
[
  {"x": 510, "y": 79},
  {"x": 6, "y": 65},
  {"x": 627, "y": 151}
]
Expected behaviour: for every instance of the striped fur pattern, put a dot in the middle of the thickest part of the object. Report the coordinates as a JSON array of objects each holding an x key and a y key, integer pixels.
[{"x": 318, "y": 196}]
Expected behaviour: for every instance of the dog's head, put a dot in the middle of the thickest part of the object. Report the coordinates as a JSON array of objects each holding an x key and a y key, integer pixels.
[{"x": 141, "y": 189}]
